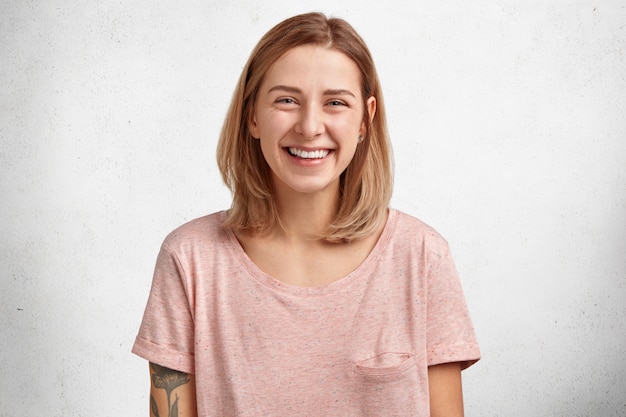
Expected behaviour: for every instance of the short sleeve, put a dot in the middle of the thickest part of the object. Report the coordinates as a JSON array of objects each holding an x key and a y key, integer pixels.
[
  {"x": 450, "y": 333},
  {"x": 166, "y": 335}
]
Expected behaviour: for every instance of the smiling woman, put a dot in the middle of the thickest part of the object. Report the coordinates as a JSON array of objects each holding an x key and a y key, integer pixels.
[
  {"x": 310, "y": 296},
  {"x": 365, "y": 186},
  {"x": 308, "y": 116}
]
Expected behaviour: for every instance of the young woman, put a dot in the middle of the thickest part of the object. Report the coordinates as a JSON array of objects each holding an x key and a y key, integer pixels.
[{"x": 309, "y": 296}]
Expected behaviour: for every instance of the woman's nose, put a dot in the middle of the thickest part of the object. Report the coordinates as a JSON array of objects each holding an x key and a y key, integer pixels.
[{"x": 311, "y": 122}]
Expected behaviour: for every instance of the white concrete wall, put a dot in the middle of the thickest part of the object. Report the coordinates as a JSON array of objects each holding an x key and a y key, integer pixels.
[{"x": 509, "y": 125}]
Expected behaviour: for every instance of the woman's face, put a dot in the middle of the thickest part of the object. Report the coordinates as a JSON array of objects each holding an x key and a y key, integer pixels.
[{"x": 308, "y": 116}]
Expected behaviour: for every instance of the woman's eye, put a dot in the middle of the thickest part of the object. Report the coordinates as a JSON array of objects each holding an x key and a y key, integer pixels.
[
  {"x": 336, "y": 103},
  {"x": 285, "y": 101}
]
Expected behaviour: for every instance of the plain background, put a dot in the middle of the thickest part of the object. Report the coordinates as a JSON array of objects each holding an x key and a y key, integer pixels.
[{"x": 508, "y": 120}]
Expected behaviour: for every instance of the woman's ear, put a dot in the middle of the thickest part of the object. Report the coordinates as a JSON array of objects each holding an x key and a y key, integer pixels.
[
  {"x": 370, "y": 105},
  {"x": 253, "y": 127}
]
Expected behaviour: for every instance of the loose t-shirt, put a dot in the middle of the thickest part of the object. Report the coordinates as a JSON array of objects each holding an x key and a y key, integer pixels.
[{"x": 360, "y": 346}]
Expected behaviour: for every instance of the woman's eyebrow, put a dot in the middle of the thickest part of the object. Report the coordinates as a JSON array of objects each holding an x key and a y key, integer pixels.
[
  {"x": 339, "y": 92},
  {"x": 285, "y": 88},
  {"x": 329, "y": 92}
]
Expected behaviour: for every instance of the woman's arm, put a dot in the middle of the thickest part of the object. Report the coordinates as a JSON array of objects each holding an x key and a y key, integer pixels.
[
  {"x": 446, "y": 391},
  {"x": 172, "y": 393}
]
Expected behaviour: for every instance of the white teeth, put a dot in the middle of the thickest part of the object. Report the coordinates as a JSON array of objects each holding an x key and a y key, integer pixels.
[{"x": 308, "y": 154}]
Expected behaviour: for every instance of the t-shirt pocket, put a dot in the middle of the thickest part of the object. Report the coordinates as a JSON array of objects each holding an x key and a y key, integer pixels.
[{"x": 388, "y": 385}]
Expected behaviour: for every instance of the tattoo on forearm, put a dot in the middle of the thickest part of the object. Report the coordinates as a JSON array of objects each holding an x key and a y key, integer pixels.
[{"x": 167, "y": 379}]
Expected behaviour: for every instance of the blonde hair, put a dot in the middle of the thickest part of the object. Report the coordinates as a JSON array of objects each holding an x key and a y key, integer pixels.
[{"x": 366, "y": 184}]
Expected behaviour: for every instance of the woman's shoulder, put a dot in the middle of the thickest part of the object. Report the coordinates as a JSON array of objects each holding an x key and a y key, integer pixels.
[
  {"x": 208, "y": 228},
  {"x": 409, "y": 229}
]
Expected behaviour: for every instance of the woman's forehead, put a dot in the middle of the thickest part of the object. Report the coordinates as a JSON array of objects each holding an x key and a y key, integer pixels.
[{"x": 308, "y": 64}]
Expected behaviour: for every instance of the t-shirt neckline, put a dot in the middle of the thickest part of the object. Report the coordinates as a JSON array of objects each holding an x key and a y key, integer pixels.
[{"x": 335, "y": 286}]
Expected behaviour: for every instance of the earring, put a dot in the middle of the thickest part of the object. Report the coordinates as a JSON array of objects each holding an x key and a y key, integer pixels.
[{"x": 359, "y": 139}]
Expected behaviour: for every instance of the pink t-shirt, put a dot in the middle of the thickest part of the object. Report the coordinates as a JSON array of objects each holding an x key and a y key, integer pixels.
[{"x": 360, "y": 346}]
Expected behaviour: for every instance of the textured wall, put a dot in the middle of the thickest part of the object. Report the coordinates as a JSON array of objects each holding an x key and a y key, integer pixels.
[{"x": 509, "y": 126}]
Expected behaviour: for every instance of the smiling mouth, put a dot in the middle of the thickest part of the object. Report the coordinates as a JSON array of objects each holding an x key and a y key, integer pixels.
[{"x": 319, "y": 154}]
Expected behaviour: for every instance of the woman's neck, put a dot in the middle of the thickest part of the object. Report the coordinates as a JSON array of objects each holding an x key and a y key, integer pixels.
[{"x": 306, "y": 216}]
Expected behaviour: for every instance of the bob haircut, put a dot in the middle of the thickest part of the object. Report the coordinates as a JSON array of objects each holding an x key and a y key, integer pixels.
[{"x": 365, "y": 186}]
